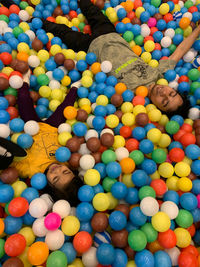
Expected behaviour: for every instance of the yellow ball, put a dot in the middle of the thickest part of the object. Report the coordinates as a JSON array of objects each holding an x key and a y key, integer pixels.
[
  {"x": 86, "y": 81},
  {"x": 53, "y": 104},
  {"x": 23, "y": 47},
  {"x": 163, "y": 120},
  {"x": 166, "y": 169},
  {"x": 84, "y": 101},
  {"x": 184, "y": 184},
  {"x": 24, "y": 258},
  {"x": 18, "y": 188},
  {"x": 127, "y": 180},
  {"x": 131, "y": 264},
  {"x": 14, "y": 137},
  {"x": 43, "y": 55},
  {"x": 177, "y": 7},
  {"x": 139, "y": 109},
  {"x": 55, "y": 49},
  {"x": 38, "y": 70},
  {"x": 153, "y": 63},
  {"x": 155, "y": 175},
  {"x": 77, "y": 263},
  {"x": 139, "y": 11},
  {"x": 155, "y": 115},
  {"x": 28, "y": 234},
  {"x": 66, "y": 80},
  {"x": 172, "y": 183},
  {"x": 87, "y": 73},
  {"x": 63, "y": 138},
  {"x": 30, "y": 11},
  {"x": 75, "y": 22},
  {"x": 127, "y": 107},
  {"x": 112, "y": 121},
  {"x": 92, "y": 177},
  {"x": 57, "y": 94},
  {"x": 187, "y": 31},
  {"x": 154, "y": 135},
  {"x": 70, "y": 225},
  {"x": 128, "y": 119},
  {"x": 164, "y": 141},
  {"x": 81, "y": 17},
  {"x": 161, "y": 221},
  {"x": 35, "y": 2},
  {"x": 45, "y": 91},
  {"x": 25, "y": 27},
  {"x": 87, "y": 108},
  {"x": 102, "y": 100},
  {"x": 80, "y": 55},
  {"x": 164, "y": 9},
  {"x": 182, "y": 169},
  {"x": 112, "y": 200},
  {"x": 183, "y": 237},
  {"x": 119, "y": 141},
  {"x": 162, "y": 82},
  {"x": 7, "y": 70},
  {"x": 149, "y": 107},
  {"x": 149, "y": 46},
  {"x": 146, "y": 56},
  {"x": 189, "y": 121},
  {"x": 132, "y": 44},
  {"x": 113, "y": 17},
  {"x": 69, "y": 53},
  {"x": 101, "y": 202}
]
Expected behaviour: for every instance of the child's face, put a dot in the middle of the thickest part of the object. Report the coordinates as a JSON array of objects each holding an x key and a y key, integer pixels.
[
  {"x": 165, "y": 98},
  {"x": 59, "y": 175}
]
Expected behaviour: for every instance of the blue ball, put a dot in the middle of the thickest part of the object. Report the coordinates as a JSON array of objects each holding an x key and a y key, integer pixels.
[
  {"x": 149, "y": 166},
  {"x": 12, "y": 224},
  {"x": 196, "y": 186},
  {"x": 98, "y": 123},
  {"x": 25, "y": 141},
  {"x": 120, "y": 27},
  {"x": 196, "y": 215},
  {"x": 56, "y": 40},
  {"x": 58, "y": 74},
  {"x": 119, "y": 190},
  {"x": 121, "y": 13},
  {"x": 41, "y": 111},
  {"x": 36, "y": 23},
  {"x": 84, "y": 211},
  {"x": 101, "y": 168},
  {"x": 183, "y": 87},
  {"x": 30, "y": 193},
  {"x": 138, "y": 133},
  {"x": 4, "y": 116},
  {"x": 105, "y": 254},
  {"x": 171, "y": 196},
  {"x": 81, "y": 65},
  {"x": 69, "y": 251},
  {"x": 100, "y": 111},
  {"x": 111, "y": 80},
  {"x": 178, "y": 118},
  {"x": 28, "y": 219},
  {"x": 98, "y": 189},
  {"x": 192, "y": 151},
  {"x": 144, "y": 258},
  {"x": 80, "y": 129},
  {"x": 175, "y": 144},
  {"x": 6, "y": 193},
  {"x": 177, "y": 39},
  {"x": 62, "y": 154},
  {"x": 170, "y": 75},
  {"x": 39, "y": 181},
  {"x": 144, "y": 17},
  {"x": 117, "y": 220},
  {"x": 121, "y": 258},
  {"x": 161, "y": 24},
  {"x": 110, "y": 109},
  {"x": 162, "y": 258},
  {"x": 196, "y": 167},
  {"x": 16, "y": 125},
  {"x": 73, "y": 5},
  {"x": 74, "y": 75},
  {"x": 50, "y": 64},
  {"x": 132, "y": 196},
  {"x": 86, "y": 193},
  {"x": 113, "y": 169},
  {"x": 91, "y": 58},
  {"x": 43, "y": 101},
  {"x": 146, "y": 146},
  {"x": 137, "y": 217},
  {"x": 92, "y": 96},
  {"x": 139, "y": 178},
  {"x": 100, "y": 77},
  {"x": 3, "y": 103},
  {"x": 156, "y": 54},
  {"x": 82, "y": 92},
  {"x": 86, "y": 226},
  {"x": 188, "y": 201},
  {"x": 109, "y": 91},
  {"x": 127, "y": 95}
]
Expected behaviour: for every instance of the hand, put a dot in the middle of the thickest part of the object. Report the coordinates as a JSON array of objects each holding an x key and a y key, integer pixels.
[{"x": 26, "y": 76}]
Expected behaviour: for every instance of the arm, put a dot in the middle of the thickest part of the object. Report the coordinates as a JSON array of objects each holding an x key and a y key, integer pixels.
[{"x": 185, "y": 45}]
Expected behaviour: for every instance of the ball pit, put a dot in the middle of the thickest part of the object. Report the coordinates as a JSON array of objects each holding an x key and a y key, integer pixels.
[{"x": 139, "y": 205}]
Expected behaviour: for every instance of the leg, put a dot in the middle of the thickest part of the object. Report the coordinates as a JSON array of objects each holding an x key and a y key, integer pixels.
[
  {"x": 57, "y": 117},
  {"x": 25, "y": 105},
  {"x": 99, "y": 23},
  {"x": 74, "y": 40}
]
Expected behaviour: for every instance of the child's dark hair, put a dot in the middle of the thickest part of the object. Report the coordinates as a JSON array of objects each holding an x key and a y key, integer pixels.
[
  {"x": 181, "y": 110},
  {"x": 5, "y": 161}
]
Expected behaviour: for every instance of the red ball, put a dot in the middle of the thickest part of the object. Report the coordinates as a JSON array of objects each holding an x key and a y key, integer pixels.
[
  {"x": 13, "y": 112},
  {"x": 6, "y": 58},
  {"x": 178, "y": 135},
  {"x": 4, "y": 11},
  {"x": 176, "y": 154},
  {"x": 15, "y": 245},
  {"x": 186, "y": 127},
  {"x": 73, "y": 14},
  {"x": 191, "y": 249},
  {"x": 131, "y": 15},
  {"x": 159, "y": 186},
  {"x": 82, "y": 241},
  {"x": 125, "y": 131},
  {"x": 167, "y": 239},
  {"x": 183, "y": 78},
  {"x": 13, "y": 262},
  {"x": 187, "y": 259},
  {"x": 132, "y": 144},
  {"x": 14, "y": 9},
  {"x": 188, "y": 139},
  {"x": 168, "y": 17},
  {"x": 87, "y": 29},
  {"x": 193, "y": 9},
  {"x": 18, "y": 206}
]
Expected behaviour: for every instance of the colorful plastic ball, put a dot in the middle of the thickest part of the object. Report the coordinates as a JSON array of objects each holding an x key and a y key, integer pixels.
[
  {"x": 119, "y": 190},
  {"x": 18, "y": 207},
  {"x": 70, "y": 225},
  {"x": 166, "y": 169},
  {"x": 31, "y": 127},
  {"x": 52, "y": 221},
  {"x": 79, "y": 129},
  {"x": 140, "y": 178},
  {"x": 92, "y": 177},
  {"x": 188, "y": 201},
  {"x": 101, "y": 202},
  {"x": 16, "y": 125},
  {"x": 176, "y": 154},
  {"x": 183, "y": 237},
  {"x": 69, "y": 251},
  {"x": 38, "y": 208},
  {"x": 4, "y": 116},
  {"x": 182, "y": 169},
  {"x": 162, "y": 257},
  {"x": 105, "y": 254},
  {"x": 149, "y": 206},
  {"x": 39, "y": 228},
  {"x": 117, "y": 220},
  {"x": 192, "y": 151},
  {"x": 13, "y": 262},
  {"x": 159, "y": 155},
  {"x": 167, "y": 239},
  {"x": 137, "y": 217},
  {"x": 170, "y": 208},
  {"x": 113, "y": 169},
  {"x": 6, "y": 193},
  {"x": 57, "y": 258},
  {"x": 184, "y": 218},
  {"x": 187, "y": 259},
  {"x": 25, "y": 141},
  {"x": 144, "y": 258},
  {"x": 84, "y": 212},
  {"x": 62, "y": 154},
  {"x": 62, "y": 207},
  {"x": 161, "y": 221},
  {"x": 137, "y": 240},
  {"x": 54, "y": 239},
  {"x": 82, "y": 241},
  {"x": 15, "y": 245},
  {"x": 38, "y": 181},
  {"x": 146, "y": 146},
  {"x": 16, "y": 81}
]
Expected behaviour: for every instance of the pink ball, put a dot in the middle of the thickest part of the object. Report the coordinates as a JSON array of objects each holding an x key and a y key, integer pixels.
[
  {"x": 52, "y": 221},
  {"x": 198, "y": 199},
  {"x": 152, "y": 22}
]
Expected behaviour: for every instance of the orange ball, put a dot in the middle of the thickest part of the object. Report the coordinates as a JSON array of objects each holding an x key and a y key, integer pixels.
[
  {"x": 70, "y": 113},
  {"x": 138, "y": 100},
  {"x": 192, "y": 230},
  {"x": 127, "y": 165},
  {"x": 184, "y": 23},
  {"x": 82, "y": 241},
  {"x": 132, "y": 144},
  {"x": 141, "y": 91},
  {"x": 2, "y": 226},
  {"x": 38, "y": 253},
  {"x": 120, "y": 88},
  {"x": 96, "y": 67},
  {"x": 154, "y": 246},
  {"x": 159, "y": 186},
  {"x": 22, "y": 56},
  {"x": 126, "y": 20},
  {"x": 137, "y": 50},
  {"x": 129, "y": 6},
  {"x": 167, "y": 239}
]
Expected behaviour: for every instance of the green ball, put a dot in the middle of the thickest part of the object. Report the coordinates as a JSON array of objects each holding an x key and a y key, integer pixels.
[
  {"x": 172, "y": 127},
  {"x": 128, "y": 36},
  {"x": 10, "y": 91},
  {"x": 17, "y": 30},
  {"x": 6, "y": 208},
  {"x": 194, "y": 86},
  {"x": 4, "y": 18},
  {"x": 2, "y": 251},
  {"x": 150, "y": 232},
  {"x": 137, "y": 240},
  {"x": 58, "y": 2},
  {"x": 184, "y": 218},
  {"x": 139, "y": 40},
  {"x": 193, "y": 74},
  {"x": 108, "y": 183},
  {"x": 23, "y": 4},
  {"x": 137, "y": 156},
  {"x": 159, "y": 155},
  {"x": 43, "y": 79},
  {"x": 155, "y": 3},
  {"x": 81, "y": 26},
  {"x": 179, "y": 31},
  {"x": 146, "y": 191},
  {"x": 108, "y": 156},
  {"x": 188, "y": 4},
  {"x": 57, "y": 259},
  {"x": 172, "y": 48}
]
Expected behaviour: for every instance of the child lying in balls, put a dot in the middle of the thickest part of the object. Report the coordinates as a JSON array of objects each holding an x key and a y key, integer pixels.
[
  {"x": 63, "y": 183},
  {"x": 127, "y": 67}
]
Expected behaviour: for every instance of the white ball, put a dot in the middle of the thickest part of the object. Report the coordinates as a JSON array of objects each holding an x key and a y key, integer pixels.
[
  {"x": 3, "y": 26},
  {"x": 173, "y": 84},
  {"x": 149, "y": 206},
  {"x": 106, "y": 131},
  {"x": 93, "y": 106},
  {"x": 23, "y": 14},
  {"x": 83, "y": 150},
  {"x": 170, "y": 208},
  {"x": 89, "y": 121},
  {"x": 106, "y": 66},
  {"x": 55, "y": 239},
  {"x": 87, "y": 162},
  {"x": 73, "y": 211},
  {"x": 30, "y": 34},
  {"x": 187, "y": 15},
  {"x": 64, "y": 127},
  {"x": 194, "y": 113},
  {"x": 33, "y": 61},
  {"x": 48, "y": 199},
  {"x": 16, "y": 81},
  {"x": 50, "y": 75},
  {"x": 89, "y": 258},
  {"x": 116, "y": 8},
  {"x": 91, "y": 133},
  {"x": 4, "y": 130},
  {"x": 31, "y": 127},
  {"x": 170, "y": 33},
  {"x": 54, "y": 84},
  {"x": 63, "y": 69},
  {"x": 166, "y": 41},
  {"x": 8, "y": 29},
  {"x": 121, "y": 153},
  {"x": 39, "y": 228},
  {"x": 177, "y": 77},
  {"x": 189, "y": 56},
  {"x": 62, "y": 207},
  {"x": 145, "y": 30},
  {"x": 181, "y": 4},
  {"x": 174, "y": 254},
  {"x": 38, "y": 208}
]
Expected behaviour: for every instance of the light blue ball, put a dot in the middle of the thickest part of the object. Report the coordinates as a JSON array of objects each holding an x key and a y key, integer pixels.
[
  {"x": 16, "y": 125},
  {"x": 62, "y": 154},
  {"x": 162, "y": 258},
  {"x": 6, "y": 193},
  {"x": 105, "y": 254},
  {"x": 12, "y": 224},
  {"x": 69, "y": 251},
  {"x": 39, "y": 181},
  {"x": 25, "y": 141},
  {"x": 144, "y": 258},
  {"x": 117, "y": 220},
  {"x": 30, "y": 193},
  {"x": 119, "y": 190}
]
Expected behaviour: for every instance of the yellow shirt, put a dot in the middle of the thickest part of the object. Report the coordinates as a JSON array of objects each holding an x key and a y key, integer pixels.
[{"x": 41, "y": 154}]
